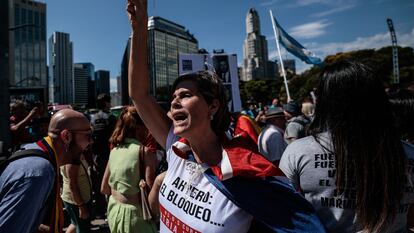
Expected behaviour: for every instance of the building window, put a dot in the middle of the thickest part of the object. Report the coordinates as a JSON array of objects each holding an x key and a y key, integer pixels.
[{"x": 24, "y": 16}]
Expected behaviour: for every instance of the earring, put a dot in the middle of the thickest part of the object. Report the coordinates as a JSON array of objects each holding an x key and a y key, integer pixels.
[
  {"x": 66, "y": 148},
  {"x": 212, "y": 116}
]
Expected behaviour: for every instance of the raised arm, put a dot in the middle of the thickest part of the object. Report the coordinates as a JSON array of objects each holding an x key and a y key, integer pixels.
[
  {"x": 149, "y": 110},
  {"x": 23, "y": 123}
]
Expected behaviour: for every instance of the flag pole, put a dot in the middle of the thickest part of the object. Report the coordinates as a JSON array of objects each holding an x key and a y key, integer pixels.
[{"x": 280, "y": 57}]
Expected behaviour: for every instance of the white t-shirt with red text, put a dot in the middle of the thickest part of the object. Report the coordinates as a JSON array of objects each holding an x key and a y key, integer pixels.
[{"x": 190, "y": 203}]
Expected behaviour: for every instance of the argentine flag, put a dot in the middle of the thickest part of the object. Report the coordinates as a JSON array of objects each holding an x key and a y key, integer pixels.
[{"x": 294, "y": 47}]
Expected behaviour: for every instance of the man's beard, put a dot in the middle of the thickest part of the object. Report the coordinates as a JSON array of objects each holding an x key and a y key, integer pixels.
[{"x": 75, "y": 152}]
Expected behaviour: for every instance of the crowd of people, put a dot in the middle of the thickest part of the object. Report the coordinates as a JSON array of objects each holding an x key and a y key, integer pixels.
[{"x": 342, "y": 162}]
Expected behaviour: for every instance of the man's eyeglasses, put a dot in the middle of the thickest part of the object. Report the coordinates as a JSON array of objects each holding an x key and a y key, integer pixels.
[{"x": 87, "y": 132}]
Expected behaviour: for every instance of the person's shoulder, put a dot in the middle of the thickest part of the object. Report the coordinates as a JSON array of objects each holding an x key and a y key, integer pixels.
[
  {"x": 133, "y": 144},
  {"x": 268, "y": 127},
  {"x": 299, "y": 120},
  {"x": 31, "y": 166},
  {"x": 271, "y": 131},
  {"x": 408, "y": 149},
  {"x": 171, "y": 138},
  {"x": 99, "y": 115},
  {"x": 305, "y": 120},
  {"x": 302, "y": 144},
  {"x": 293, "y": 123}
]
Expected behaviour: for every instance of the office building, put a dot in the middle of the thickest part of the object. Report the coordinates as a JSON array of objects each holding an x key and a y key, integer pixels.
[
  {"x": 83, "y": 75},
  {"x": 4, "y": 77},
  {"x": 166, "y": 40},
  {"x": 115, "y": 99},
  {"x": 123, "y": 79},
  {"x": 61, "y": 68},
  {"x": 256, "y": 64},
  {"x": 118, "y": 84},
  {"x": 27, "y": 36},
  {"x": 102, "y": 82},
  {"x": 289, "y": 65}
]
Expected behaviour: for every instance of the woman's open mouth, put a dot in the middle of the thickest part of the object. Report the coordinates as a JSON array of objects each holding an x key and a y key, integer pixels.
[{"x": 180, "y": 117}]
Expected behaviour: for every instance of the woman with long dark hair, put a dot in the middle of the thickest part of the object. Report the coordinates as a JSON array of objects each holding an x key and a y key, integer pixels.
[{"x": 353, "y": 167}]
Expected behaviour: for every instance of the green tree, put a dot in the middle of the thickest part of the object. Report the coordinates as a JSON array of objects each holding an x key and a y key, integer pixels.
[
  {"x": 381, "y": 61},
  {"x": 260, "y": 90}
]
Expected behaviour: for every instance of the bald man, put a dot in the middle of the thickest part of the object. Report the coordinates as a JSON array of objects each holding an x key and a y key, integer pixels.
[{"x": 29, "y": 187}]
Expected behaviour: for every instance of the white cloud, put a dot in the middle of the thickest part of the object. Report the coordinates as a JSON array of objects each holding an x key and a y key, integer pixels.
[
  {"x": 372, "y": 42},
  {"x": 274, "y": 55},
  {"x": 309, "y": 30},
  {"x": 301, "y": 3},
  {"x": 333, "y": 10},
  {"x": 334, "y": 4},
  {"x": 268, "y": 3},
  {"x": 310, "y": 2},
  {"x": 113, "y": 84}
]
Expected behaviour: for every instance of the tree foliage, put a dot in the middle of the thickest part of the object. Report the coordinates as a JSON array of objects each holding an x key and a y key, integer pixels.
[
  {"x": 260, "y": 90},
  {"x": 381, "y": 60}
]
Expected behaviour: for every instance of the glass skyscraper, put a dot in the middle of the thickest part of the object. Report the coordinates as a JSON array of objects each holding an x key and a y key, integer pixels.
[
  {"x": 27, "y": 44},
  {"x": 83, "y": 78},
  {"x": 61, "y": 68},
  {"x": 102, "y": 82},
  {"x": 166, "y": 40}
]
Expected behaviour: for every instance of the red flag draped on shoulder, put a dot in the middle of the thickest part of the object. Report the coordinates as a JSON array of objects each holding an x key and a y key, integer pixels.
[{"x": 237, "y": 160}]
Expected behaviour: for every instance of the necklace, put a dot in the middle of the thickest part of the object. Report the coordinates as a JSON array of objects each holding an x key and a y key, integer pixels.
[{"x": 196, "y": 171}]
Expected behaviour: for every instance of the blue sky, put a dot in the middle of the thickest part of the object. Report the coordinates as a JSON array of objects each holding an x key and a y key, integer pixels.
[{"x": 99, "y": 28}]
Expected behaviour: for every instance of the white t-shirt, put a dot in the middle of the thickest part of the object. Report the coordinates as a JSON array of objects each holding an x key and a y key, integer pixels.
[
  {"x": 190, "y": 203},
  {"x": 271, "y": 143},
  {"x": 313, "y": 169}
]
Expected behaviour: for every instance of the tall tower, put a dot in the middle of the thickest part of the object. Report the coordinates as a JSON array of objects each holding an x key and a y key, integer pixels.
[
  {"x": 102, "y": 82},
  {"x": 61, "y": 85},
  {"x": 396, "y": 69},
  {"x": 83, "y": 79},
  {"x": 27, "y": 44},
  {"x": 254, "y": 49},
  {"x": 166, "y": 40}
]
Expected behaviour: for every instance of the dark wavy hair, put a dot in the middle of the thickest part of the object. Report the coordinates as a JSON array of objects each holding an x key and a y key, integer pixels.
[
  {"x": 210, "y": 87},
  {"x": 403, "y": 109},
  {"x": 352, "y": 105}
]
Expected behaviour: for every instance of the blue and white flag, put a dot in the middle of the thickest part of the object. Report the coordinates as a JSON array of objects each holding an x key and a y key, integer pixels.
[{"x": 294, "y": 47}]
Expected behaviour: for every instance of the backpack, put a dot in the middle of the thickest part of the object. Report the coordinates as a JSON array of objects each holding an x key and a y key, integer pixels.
[
  {"x": 305, "y": 122},
  {"x": 8, "y": 158},
  {"x": 103, "y": 124}
]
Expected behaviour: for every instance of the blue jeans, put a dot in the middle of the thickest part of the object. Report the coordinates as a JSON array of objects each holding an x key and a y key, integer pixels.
[{"x": 82, "y": 225}]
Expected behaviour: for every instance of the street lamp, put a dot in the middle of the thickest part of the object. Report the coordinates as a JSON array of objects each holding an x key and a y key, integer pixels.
[
  {"x": 30, "y": 78},
  {"x": 22, "y": 26}
]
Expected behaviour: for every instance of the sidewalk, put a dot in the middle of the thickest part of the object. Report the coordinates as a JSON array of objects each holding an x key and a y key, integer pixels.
[{"x": 99, "y": 226}]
